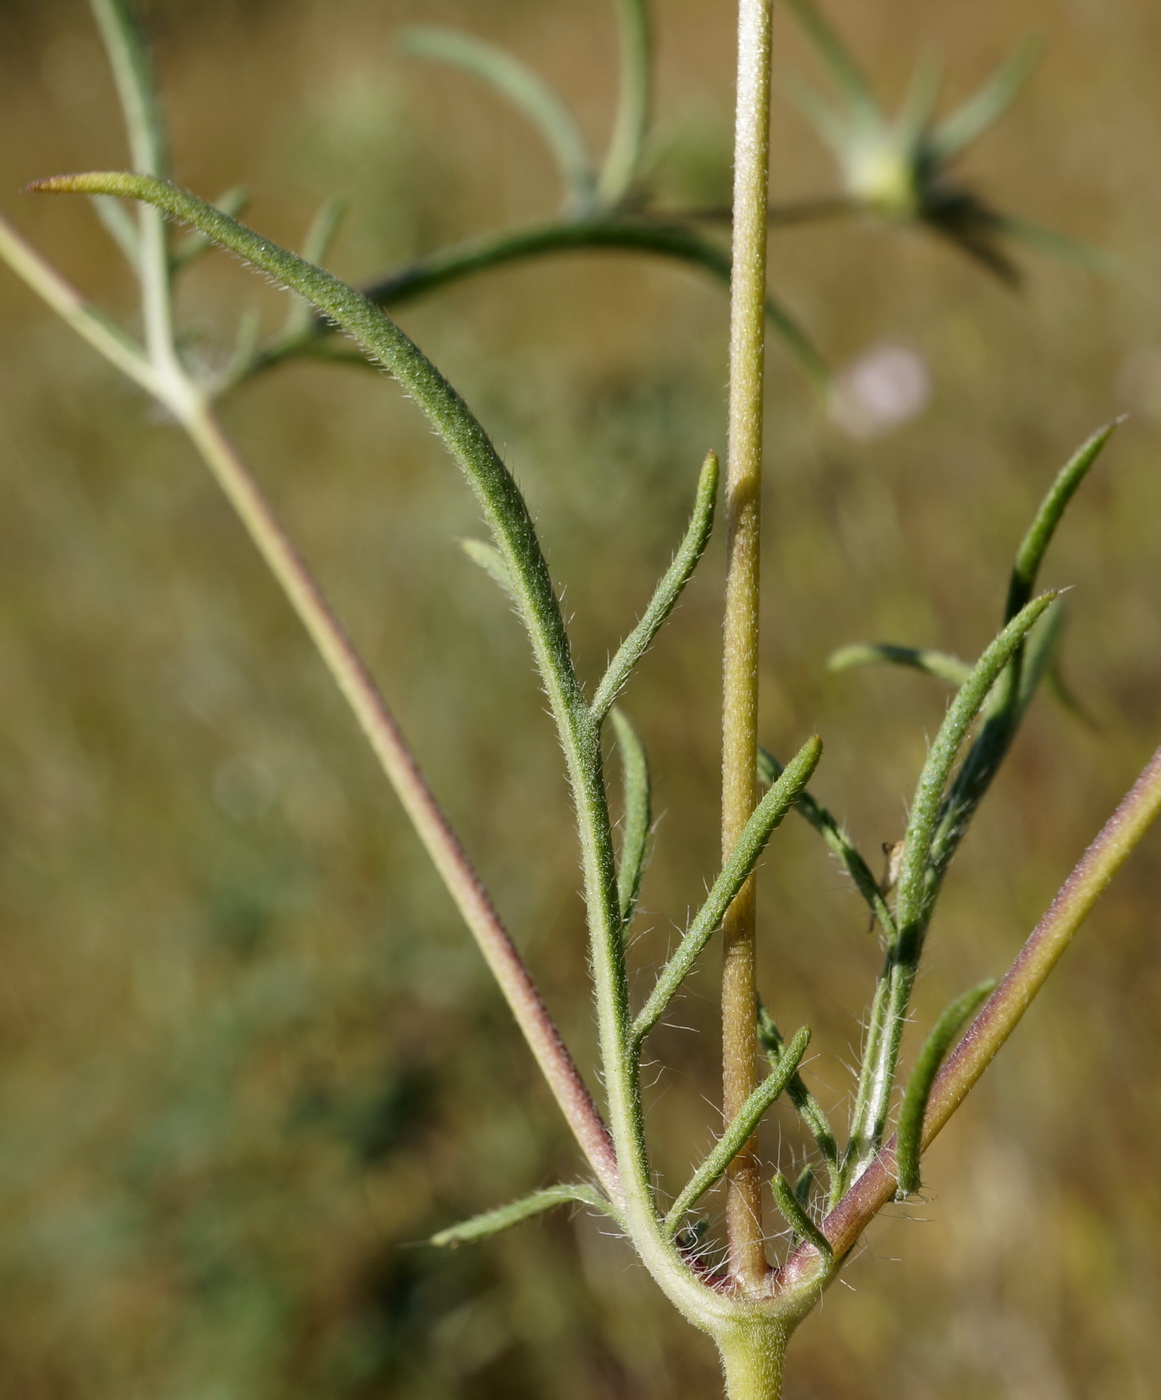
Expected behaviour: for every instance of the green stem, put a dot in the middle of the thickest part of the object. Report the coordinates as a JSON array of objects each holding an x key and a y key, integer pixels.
[
  {"x": 133, "y": 75},
  {"x": 747, "y": 1257},
  {"x": 753, "y": 1351}
]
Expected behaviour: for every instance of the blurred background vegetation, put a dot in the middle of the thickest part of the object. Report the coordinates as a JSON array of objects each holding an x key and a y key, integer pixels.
[{"x": 249, "y": 1057}]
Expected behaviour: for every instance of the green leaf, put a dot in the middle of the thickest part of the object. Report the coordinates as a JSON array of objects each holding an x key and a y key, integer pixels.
[
  {"x": 499, "y": 497},
  {"x": 188, "y": 249},
  {"x": 1035, "y": 543},
  {"x": 1009, "y": 702},
  {"x": 489, "y": 558},
  {"x": 1046, "y": 240},
  {"x": 837, "y": 842},
  {"x": 796, "y": 1216},
  {"x": 739, "y": 1132},
  {"x": 632, "y": 122},
  {"x": 315, "y": 246},
  {"x": 919, "y": 104},
  {"x": 523, "y": 88},
  {"x": 129, "y": 59},
  {"x": 913, "y": 878},
  {"x": 667, "y": 592},
  {"x": 120, "y": 226},
  {"x": 981, "y": 111},
  {"x": 803, "y": 1100},
  {"x": 935, "y": 663},
  {"x": 636, "y": 824},
  {"x": 766, "y": 817},
  {"x": 492, "y": 1222},
  {"x": 834, "y": 53},
  {"x": 619, "y": 233},
  {"x": 909, "y": 1135}
]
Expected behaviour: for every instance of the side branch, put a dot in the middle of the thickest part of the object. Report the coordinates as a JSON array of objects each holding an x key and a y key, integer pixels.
[{"x": 1002, "y": 1012}]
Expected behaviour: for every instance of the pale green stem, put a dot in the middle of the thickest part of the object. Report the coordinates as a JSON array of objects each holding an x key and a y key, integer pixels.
[
  {"x": 747, "y": 1257},
  {"x": 133, "y": 76},
  {"x": 104, "y": 335},
  {"x": 178, "y": 393},
  {"x": 752, "y": 1352},
  {"x": 397, "y": 761}
]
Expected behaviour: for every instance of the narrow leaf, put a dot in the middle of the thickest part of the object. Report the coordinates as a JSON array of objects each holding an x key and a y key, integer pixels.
[
  {"x": 739, "y": 1132},
  {"x": 1032, "y": 549},
  {"x": 833, "y": 127},
  {"x": 909, "y": 1134},
  {"x": 489, "y": 558},
  {"x": 129, "y": 59},
  {"x": 843, "y": 67},
  {"x": 981, "y": 111},
  {"x": 638, "y": 816},
  {"x": 796, "y": 1216},
  {"x": 492, "y": 1222},
  {"x": 837, "y": 842},
  {"x": 632, "y": 123},
  {"x": 1058, "y": 245},
  {"x": 471, "y": 448},
  {"x": 612, "y": 232},
  {"x": 120, "y": 225},
  {"x": 935, "y": 663},
  {"x": 315, "y": 246},
  {"x": 919, "y": 104},
  {"x": 188, "y": 249},
  {"x": 523, "y": 88},
  {"x": 936, "y": 771},
  {"x": 667, "y": 593},
  {"x": 800, "y": 1096},
  {"x": 767, "y": 816}
]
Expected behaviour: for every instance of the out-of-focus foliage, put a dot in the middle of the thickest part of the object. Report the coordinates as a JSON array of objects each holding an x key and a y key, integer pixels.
[{"x": 248, "y": 1059}]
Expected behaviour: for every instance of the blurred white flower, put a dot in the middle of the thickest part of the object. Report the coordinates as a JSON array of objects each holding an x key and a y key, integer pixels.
[{"x": 886, "y": 387}]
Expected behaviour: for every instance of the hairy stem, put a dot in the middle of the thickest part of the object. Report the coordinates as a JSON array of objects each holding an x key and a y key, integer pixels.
[{"x": 747, "y": 1258}]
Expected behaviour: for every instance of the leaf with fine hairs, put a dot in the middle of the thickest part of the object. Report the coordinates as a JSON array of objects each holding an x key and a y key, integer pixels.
[
  {"x": 909, "y": 1134},
  {"x": 492, "y": 1222}
]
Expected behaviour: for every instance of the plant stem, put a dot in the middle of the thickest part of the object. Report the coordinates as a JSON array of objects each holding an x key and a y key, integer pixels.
[
  {"x": 172, "y": 387},
  {"x": 752, "y": 1353},
  {"x": 747, "y": 1258},
  {"x": 1002, "y": 1012}
]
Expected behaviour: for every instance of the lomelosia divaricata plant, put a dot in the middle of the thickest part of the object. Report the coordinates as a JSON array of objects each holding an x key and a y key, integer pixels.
[{"x": 900, "y": 169}]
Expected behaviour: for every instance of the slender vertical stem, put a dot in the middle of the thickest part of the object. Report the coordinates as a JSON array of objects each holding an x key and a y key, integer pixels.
[{"x": 747, "y": 1260}]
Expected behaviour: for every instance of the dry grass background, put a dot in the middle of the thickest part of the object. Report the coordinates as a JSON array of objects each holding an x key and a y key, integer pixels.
[{"x": 247, "y": 1056}]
